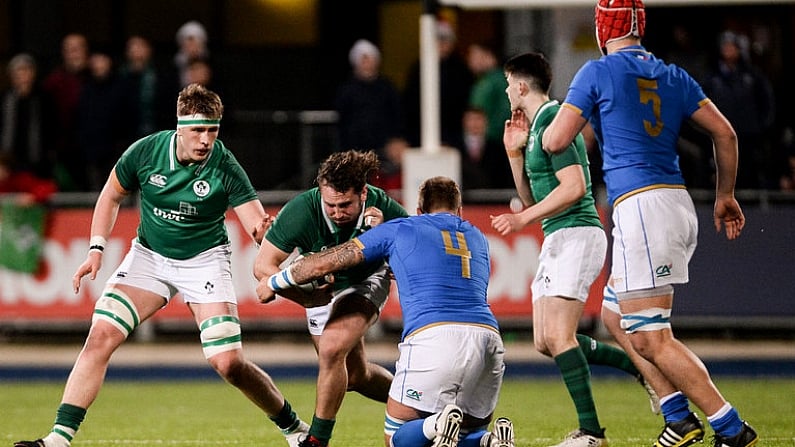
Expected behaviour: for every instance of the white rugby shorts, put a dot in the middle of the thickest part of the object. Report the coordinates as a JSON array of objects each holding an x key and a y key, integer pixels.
[
  {"x": 204, "y": 278},
  {"x": 654, "y": 236},
  {"x": 570, "y": 261},
  {"x": 375, "y": 288},
  {"x": 450, "y": 363}
]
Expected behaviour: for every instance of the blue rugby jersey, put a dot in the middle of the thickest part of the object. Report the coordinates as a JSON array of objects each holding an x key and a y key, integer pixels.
[
  {"x": 441, "y": 265},
  {"x": 636, "y": 105}
]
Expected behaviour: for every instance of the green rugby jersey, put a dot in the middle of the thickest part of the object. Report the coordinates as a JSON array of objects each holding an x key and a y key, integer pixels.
[
  {"x": 303, "y": 224},
  {"x": 540, "y": 168},
  {"x": 182, "y": 207}
]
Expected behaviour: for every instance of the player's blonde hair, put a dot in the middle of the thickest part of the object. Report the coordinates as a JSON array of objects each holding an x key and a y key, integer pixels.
[
  {"x": 196, "y": 99},
  {"x": 439, "y": 194}
]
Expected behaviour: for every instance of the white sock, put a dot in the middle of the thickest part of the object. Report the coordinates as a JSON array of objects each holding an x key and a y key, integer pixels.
[
  {"x": 429, "y": 426},
  {"x": 57, "y": 440}
]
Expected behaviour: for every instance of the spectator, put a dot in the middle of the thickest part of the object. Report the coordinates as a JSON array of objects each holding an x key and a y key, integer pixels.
[
  {"x": 141, "y": 82},
  {"x": 488, "y": 91},
  {"x": 199, "y": 72},
  {"x": 390, "y": 174},
  {"x": 64, "y": 85},
  {"x": 745, "y": 96},
  {"x": 368, "y": 103},
  {"x": 455, "y": 82},
  {"x": 686, "y": 53},
  {"x": 25, "y": 115},
  {"x": 483, "y": 163},
  {"x": 787, "y": 171},
  {"x": 101, "y": 113},
  {"x": 192, "y": 45}
]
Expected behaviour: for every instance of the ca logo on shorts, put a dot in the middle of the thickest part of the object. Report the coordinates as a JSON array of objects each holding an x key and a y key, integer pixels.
[
  {"x": 414, "y": 394},
  {"x": 663, "y": 270},
  {"x": 201, "y": 188}
]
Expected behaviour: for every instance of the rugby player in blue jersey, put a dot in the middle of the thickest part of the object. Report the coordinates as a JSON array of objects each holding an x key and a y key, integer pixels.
[
  {"x": 449, "y": 374},
  {"x": 636, "y": 105}
]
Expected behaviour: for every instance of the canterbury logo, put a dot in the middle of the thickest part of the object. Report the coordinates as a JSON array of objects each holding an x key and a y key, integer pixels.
[{"x": 157, "y": 180}]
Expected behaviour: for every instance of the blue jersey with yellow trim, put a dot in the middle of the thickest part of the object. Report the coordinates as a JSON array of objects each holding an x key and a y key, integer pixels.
[
  {"x": 636, "y": 105},
  {"x": 441, "y": 264}
]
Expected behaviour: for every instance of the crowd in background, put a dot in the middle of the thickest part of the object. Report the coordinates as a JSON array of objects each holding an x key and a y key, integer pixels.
[{"x": 70, "y": 124}]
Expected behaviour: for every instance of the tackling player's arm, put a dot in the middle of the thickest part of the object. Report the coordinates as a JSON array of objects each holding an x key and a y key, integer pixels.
[
  {"x": 318, "y": 265},
  {"x": 310, "y": 268},
  {"x": 269, "y": 258}
]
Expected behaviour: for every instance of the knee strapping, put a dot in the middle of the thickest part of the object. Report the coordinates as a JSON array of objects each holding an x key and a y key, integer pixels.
[
  {"x": 652, "y": 319},
  {"x": 220, "y": 334},
  {"x": 115, "y": 307},
  {"x": 391, "y": 424},
  {"x": 610, "y": 300}
]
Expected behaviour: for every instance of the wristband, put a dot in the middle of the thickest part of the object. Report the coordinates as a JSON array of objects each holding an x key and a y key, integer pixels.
[
  {"x": 97, "y": 244},
  {"x": 282, "y": 280}
]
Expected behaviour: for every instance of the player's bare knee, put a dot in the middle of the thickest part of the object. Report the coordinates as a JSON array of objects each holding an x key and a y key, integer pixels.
[
  {"x": 230, "y": 366},
  {"x": 102, "y": 341},
  {"x": 642, "y": 345}
]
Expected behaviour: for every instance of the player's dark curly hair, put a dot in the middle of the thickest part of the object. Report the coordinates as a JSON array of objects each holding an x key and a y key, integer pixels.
[
  {"x": 196, "y": 98},
  {"x": 345, "y": 170}
]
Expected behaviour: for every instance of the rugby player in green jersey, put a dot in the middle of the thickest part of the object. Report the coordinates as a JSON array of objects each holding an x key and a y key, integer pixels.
[
  {"x": 341, "y": 207},
  {"x": 187, "y": 179}
]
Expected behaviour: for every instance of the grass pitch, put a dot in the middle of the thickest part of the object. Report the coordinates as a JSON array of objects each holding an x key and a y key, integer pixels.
[{"x": 212, "y": 413}]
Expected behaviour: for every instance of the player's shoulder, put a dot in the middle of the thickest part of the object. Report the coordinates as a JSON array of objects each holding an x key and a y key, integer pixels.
[{"x": 145, "y": 150}]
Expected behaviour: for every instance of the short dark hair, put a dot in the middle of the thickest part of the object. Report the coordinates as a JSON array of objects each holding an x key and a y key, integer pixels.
[
  {"x": 345, "y": 170},
  {"x": 438, "y": 194},
  {"x": 532, "y": 66}
]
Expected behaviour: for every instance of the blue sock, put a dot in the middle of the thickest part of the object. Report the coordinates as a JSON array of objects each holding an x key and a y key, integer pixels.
[
  {"x": 410, "y": 435},
  {"x": 675, "y": 407},
  {"x": 727, "y": 425},
  {"x": 472, "y": 439}
]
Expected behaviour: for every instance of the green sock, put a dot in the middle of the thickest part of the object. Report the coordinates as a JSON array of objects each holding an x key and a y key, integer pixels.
[
  {"x": 321, "y": 429},
  {"x": 577, "y": 377},
  {"x": 67, "y": 420},
  {"x": 286, "y": 419},
  {"x": 598, "y": 353}
]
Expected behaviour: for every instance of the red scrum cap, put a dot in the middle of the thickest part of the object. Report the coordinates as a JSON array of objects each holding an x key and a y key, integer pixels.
[{"x": 617, "y": 19}]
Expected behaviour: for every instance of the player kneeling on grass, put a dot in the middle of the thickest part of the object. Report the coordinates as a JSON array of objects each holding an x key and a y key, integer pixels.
[{"x": 450, "y": 370}]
